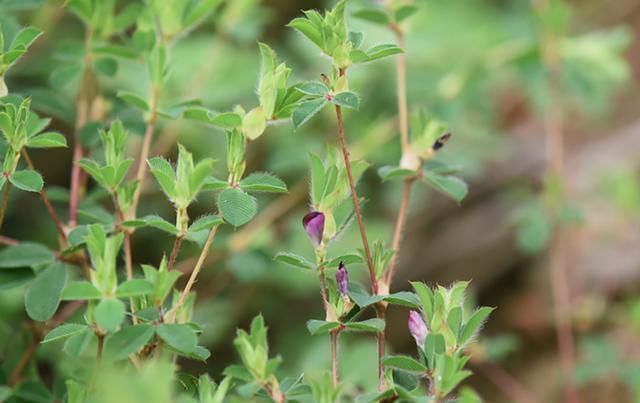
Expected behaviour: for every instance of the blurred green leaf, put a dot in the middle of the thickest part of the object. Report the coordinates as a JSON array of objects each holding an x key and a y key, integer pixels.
[{"x": 43, "y": 296}]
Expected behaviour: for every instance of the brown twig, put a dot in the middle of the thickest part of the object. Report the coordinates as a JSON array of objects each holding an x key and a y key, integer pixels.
[
  {"x": 47, "y": 202},
  {"x": 553, "y": 121},
  {"x": 5, "y": 240},
  {"x": 83, "y": 111},
  {"x": 16, "y": 374},
  {"x": 174, "y": 252},
  {"x": 146, "y": 146},
  {"x": 194, "y": 274},
  {"x": 354, "y": 197},
  {"x": 403, "y": 122}
]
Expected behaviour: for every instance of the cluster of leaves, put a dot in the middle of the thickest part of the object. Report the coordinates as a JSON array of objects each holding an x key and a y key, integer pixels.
[
  {"x": 143, "y": 319},
  {"x": 450, "y": 326}
]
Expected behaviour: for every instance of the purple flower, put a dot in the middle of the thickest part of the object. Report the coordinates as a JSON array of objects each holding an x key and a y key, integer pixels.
[
  {"x": 342, "y": 278},
  {"x": 417, "y": 327},
  {"x": 314, "y": 225}
]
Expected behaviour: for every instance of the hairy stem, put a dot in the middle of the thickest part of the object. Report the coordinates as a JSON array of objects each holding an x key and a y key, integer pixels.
[
  {"x": 356, "y": 202},
  {"x": 174, "y": 252},
  {"x": 194, "y": 274},
  {"x": 334, "y": 357},
  {"x": 363, "y": 233},
  {"x": 146, "y": 146}
]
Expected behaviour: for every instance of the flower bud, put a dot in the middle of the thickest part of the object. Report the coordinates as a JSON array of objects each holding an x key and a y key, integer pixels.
[
  {"x": 417, "y": 327},
  {"x": 314, "y": 225},
  {"x": 342, "y": 278}
]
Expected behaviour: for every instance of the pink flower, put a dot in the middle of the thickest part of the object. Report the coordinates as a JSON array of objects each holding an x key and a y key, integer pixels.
[
  {"x": 314, "y": 225},
  {"x": 417, "y": 327}
]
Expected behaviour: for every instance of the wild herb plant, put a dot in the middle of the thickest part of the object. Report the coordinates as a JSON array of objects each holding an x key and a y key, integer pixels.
[{"x": 136, "y": 324}]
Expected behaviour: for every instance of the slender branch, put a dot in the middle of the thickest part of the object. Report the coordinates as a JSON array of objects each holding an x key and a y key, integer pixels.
[
  {"x": 127, "y": 236},
  {"x": 553, "y": 120},
  {"x": 513, "y": 389},
  {"x": 100, "y": 347},
  {"x": 47, "y": 202},
  {"x": 5, "y": 240},
  {"x": 381, "y": 310},
  {"x": 356, "y": 202},
  {"x": 16, "y": 374},
  {"x": 174, "y": 252},
  {"x": 146, "y": 146},
  {"x": 194, "y": 274},
  {"x": 334, "y": 357},
  {"x": 401, "y": 221},
  {"x": 403, "y": 121},
  {"x": 83, "y": 110}
]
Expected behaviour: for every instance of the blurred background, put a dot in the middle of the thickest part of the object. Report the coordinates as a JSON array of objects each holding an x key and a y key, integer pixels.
[{"x": 475, "y": 65}]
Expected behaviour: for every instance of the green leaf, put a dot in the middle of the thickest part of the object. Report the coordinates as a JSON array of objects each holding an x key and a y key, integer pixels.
[
  {"x": 313, "y": 88},
  {"x": 236, "y": 206},
  {"x": 153, "y": 221},
  {"x": 27, "y": 180},
  {"x": 179, "y": 337},
  {"x": 404, "y": 363},
  {"x": 63, "y": 331},
  {"x": 134, "y": 100},
  {"x": 80, "y": 291},
  {"x": 205, "y": 223},
  {"x": 308, "y": 29},
  {"x": 390, "y": 172},
  {"x": 106, "y": 66},
  {"x": 381, "y": 51},
  {"x": 47, "y": 140},
  {"x": 346, "y": 99},
  {"x": 404, "y": 12},
  {"x": 43, "y": 296},
  {"x": 370, "y": 325},
  {"x": 403, "y": 298},
  {"x": 77, "y": 344},
  {"x": 109, "y": 314},
  {"x": 320, "y": 326},
  {"x": 263, "y": 182},
  {"x": 306, "y": 110},
  {"x": 454, "y": 320},
  {"x": 225, "y": 120},
  {"x": 213, "y": 184},
  {"x": 347, "y": 258},
  {"x": 127, "y": 341},
  {"x": 373, "y": 15},
  {"x": 473, "y": 324},
  {"x": 294, "y": 260},
  {"x": 450, "y": 186},
  {"x": 134, "y": 288},
  {"x": 25, "y": 37},
  {"x": 164, "y": 174},
  {"x": 25, "y": 254}
]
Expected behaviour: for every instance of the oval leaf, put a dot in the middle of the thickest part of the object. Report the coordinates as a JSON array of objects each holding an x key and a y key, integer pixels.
[
  {"x": 27, "y": 180},
  {"x": 236, "y": 206},
  {"x": 43, "y": 297}
]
